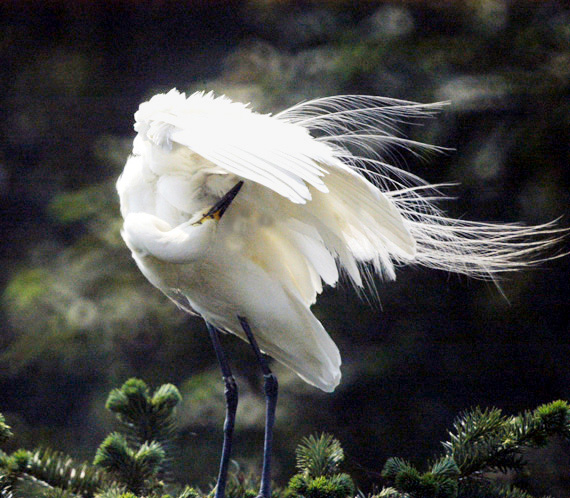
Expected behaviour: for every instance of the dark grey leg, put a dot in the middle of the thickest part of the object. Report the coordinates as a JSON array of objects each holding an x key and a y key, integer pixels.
[
  {"x": 231, "y": 393},
  {"x": 270, "y": 387}
]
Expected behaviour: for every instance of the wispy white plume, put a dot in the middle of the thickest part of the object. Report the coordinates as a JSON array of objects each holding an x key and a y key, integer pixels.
[{"x": 366, "y": 133}]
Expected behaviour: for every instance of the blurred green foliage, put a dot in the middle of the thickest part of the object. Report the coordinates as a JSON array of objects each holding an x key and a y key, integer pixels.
[{"x": 78, "y": 317}]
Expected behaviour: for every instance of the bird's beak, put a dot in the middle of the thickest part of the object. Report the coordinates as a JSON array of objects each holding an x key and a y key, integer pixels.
[{"x": 218, "y": 210}]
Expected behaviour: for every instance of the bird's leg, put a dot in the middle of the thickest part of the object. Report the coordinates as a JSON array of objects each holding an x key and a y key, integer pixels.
[
  {"x": 231, "y": 393},
  {"x": 270, "y": 387}
]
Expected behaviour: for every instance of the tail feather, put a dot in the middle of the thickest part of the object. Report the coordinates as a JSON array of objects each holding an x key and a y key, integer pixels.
[{"x": 309, "y": 351}]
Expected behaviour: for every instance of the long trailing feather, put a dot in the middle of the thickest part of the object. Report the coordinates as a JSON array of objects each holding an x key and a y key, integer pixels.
[{"x": 373, "y": 126}]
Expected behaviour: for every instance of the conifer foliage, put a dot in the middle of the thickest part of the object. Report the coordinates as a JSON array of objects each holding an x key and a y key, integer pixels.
[
  {"x": 481, "y": 442},
  {"x": 128, "y": 464},
  {"x": 318, "y": 461},
  {"x": 138, "y": 456},
  {"x": 145, "y": 417},
  {"x": 131, "y": 463},
  {"x": 5, "y": 432}
]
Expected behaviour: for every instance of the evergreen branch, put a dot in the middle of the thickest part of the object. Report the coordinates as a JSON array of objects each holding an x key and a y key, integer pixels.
[
  {"x": 395, "y": 466},
  {"x": 336, "y": 486},
  {"x": 149, "y": 458},
  {"x": 131, "y": 405},
  {"x": 475, "y": 427},
  {"x": 555, "y": 417},
  {"x": 136, "y": 470},
  {"x": 482, "y": 441},
  {"x": 165, "y": 399},
  {"x": 26, "y": 486},
  {"x": 440, "y": 482},
  {"x": 319, "y": 456},
  {"x": 20, "y": 460},
  {"x": 5, "y": 485},
  {"x": 189, "y": 492},
  {"x": 114, "y": 492},
  {"x": 59, "y": 493},
  {"x": 318, "y": 460},
  {"x": 28, "y": 473},
  {"x": 241, "y": 485},
  {"x": 60, "y": 471},
  {"x": 389, "y": 493},
  {"x": 114, "y": 453},
  {"x": 146, "y": 418},
  {"x": 487, "y": 440},
  {"x": 5, "y": 430},
  {"x": 446, "y": 468}
]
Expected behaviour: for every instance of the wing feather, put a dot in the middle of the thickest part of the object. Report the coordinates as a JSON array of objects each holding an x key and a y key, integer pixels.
[
  {"x": 227, "y": 133},
  {"x": 356, "y": 222}
]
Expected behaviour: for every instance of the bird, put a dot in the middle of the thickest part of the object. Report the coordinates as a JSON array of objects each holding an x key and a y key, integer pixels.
[{"x": 242, "y": 218}]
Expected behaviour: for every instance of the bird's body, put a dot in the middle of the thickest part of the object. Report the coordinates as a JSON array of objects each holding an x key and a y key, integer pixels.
[
  {"x": 267, "y": 258},
  {"x": 303, "y": 212}
]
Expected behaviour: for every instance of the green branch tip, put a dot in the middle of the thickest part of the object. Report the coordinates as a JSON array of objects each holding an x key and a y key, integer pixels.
[
  {"x": 319, "y": 455},
  {"x": 5, "y": 430}
]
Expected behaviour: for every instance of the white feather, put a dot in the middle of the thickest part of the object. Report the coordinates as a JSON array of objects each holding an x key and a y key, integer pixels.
[{"x": 305, "y": 211}]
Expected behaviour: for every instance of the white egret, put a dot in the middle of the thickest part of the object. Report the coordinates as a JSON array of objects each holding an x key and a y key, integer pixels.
[{"x": 241, "y": 217}]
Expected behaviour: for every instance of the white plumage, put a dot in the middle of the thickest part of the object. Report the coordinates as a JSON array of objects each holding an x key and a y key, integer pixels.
[{"x": 310, "y": 209}]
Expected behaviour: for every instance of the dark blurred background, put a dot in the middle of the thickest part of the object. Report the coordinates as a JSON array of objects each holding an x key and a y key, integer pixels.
[{"x": 78, "y": 319}]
